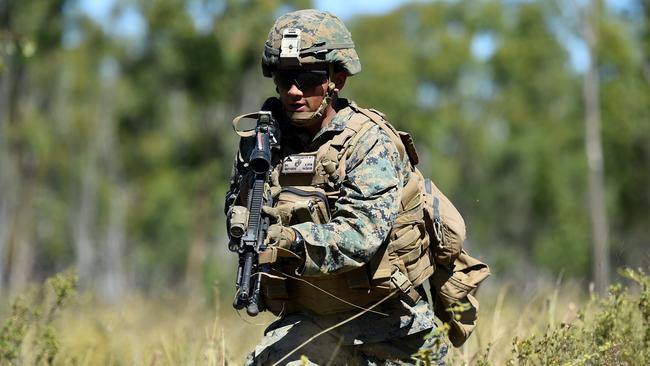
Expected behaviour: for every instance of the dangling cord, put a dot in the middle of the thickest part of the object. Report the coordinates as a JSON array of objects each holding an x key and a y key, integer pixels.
[{"x": 325, "y": 292}]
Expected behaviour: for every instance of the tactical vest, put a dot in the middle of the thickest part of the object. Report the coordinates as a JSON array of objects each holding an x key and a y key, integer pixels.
[{"x": 305, "y": 186}]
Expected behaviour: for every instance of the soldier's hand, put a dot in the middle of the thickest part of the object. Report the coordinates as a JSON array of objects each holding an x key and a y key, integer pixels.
[
  {"x": 280, "y": 236},
  {"x": 279, "y": 244},
  {"x": 273, "y": 213}
]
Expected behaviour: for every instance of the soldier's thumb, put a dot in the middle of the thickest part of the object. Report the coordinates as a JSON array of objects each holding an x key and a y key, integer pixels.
[{"x": 273, "y": 213}]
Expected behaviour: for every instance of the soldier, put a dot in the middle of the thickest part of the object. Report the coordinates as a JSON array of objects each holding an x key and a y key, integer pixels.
[{"x": 348, "y": 248}]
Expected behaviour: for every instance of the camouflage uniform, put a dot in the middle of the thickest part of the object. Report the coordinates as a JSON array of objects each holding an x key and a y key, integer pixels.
[
  {"x": 360, "y": 223},
  {"x": 361, "y": 220}
]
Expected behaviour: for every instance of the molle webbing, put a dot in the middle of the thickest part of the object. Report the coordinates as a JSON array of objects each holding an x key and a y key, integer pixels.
[
  {"x": 409, "y": 249},
  {"x": 335, "y": 149}
]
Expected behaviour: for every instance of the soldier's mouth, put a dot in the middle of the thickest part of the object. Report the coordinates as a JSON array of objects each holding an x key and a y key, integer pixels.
[{"x": 297, "y": 107}]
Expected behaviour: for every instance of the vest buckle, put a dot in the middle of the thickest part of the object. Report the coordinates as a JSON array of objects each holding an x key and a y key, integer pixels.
[{"x": 401, "y": 281}]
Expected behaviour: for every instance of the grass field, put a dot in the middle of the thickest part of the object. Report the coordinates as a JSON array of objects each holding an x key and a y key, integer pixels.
[{"x": 558, "y": 324}]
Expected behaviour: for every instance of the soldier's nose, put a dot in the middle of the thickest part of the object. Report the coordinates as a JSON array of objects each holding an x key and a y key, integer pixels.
[{"x": 294, "y": 90}]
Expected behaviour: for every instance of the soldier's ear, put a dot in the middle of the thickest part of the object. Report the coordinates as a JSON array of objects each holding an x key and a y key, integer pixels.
[{"x": 339, "y": 79}]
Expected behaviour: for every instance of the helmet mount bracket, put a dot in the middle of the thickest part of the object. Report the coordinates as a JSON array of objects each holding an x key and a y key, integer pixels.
[{"x": 290, "y": 47}]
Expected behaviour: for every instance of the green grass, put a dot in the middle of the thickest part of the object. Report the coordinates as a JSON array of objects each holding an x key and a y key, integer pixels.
[{"x": 556, "y": 325}]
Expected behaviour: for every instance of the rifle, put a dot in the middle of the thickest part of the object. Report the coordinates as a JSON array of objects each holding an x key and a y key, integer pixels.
[{"x": 249, "y": 227}]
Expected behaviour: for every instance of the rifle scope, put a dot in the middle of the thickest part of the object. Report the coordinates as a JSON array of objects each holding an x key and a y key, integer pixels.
[{"x": 260, "y": 158}]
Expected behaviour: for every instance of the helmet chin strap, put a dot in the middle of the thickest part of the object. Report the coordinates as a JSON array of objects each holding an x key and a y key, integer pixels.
[{"x": 307, "y": 119}]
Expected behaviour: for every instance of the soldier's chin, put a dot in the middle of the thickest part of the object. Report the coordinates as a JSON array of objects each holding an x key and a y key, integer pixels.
[{"x": 304, "y": 119}]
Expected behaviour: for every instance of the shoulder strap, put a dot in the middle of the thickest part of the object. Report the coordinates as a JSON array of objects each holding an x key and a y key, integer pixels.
[
  {"x": 361, "y": 124},
  {"x": 367, "y": 118},
  {"x": 384, "y": 125},
  {"x": 333, "y": 153},
  {"x": 402, "y": 140}
]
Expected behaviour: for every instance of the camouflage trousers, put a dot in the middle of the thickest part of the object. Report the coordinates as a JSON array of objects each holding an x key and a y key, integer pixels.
[{"x": 286, "y": 334}]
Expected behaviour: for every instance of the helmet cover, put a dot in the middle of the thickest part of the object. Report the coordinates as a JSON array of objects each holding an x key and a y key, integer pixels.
[{"x": 309, "y": 37}]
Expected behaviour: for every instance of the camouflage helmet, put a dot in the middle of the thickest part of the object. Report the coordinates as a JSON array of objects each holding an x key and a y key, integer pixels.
[{"x": 309, "y": 37}]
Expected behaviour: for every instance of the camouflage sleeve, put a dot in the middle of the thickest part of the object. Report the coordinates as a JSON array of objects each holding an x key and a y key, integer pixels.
[{"x": 364, "y": 214}]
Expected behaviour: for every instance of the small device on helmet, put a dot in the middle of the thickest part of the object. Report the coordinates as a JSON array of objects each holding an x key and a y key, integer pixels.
[{"x": 290, "y": 47}]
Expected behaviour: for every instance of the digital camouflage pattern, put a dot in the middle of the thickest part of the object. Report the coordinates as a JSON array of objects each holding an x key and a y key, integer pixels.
[
  {"x": 361, "y": 220},
  {"x": 324, "y": 39},
  {"x": 352, "y": 343},
  {"x": 364, "y": 215}
]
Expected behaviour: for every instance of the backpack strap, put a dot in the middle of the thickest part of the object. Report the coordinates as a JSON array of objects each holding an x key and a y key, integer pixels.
[
  {"x": 405, "y": 146},
  {"x": 406, "y": 262},
  {"x": 379, "y": 120}
]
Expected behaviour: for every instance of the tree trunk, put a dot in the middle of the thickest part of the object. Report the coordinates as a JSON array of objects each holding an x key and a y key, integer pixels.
[
  {"x": 22, "y": 261},
  {"x": 4, "y": 227},
  {"x": 594, "y": 151},
  {"x": 5, "y": 74},
  {"x": 113, "y": 278},
  {"x": 22, "y": 258},
  {"x": 83, "y": 221},
  {"x": 19, "y": 180},
  {"x": 7, "y": 213}
]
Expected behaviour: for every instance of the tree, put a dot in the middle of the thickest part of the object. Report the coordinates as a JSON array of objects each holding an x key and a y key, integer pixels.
[{"x": 594, "y": 152}]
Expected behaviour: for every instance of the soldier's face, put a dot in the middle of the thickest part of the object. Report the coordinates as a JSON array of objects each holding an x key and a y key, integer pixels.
[{"x": 301, "y": 90}]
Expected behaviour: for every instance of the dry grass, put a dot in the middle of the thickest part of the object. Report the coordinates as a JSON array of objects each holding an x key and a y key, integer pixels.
[
  {"x": 169, "y": 330},
  {"x": 179, "y": 329},
  {"x": 506, "y": 313}
]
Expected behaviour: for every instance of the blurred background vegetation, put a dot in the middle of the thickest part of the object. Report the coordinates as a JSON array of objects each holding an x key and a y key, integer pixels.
[{"x": 116, "y": 145}]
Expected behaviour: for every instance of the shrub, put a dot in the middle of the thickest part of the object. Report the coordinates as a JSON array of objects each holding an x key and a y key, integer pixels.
[
  {"x": 616, "y": 332},
  {"x": 27, "y": 336}
]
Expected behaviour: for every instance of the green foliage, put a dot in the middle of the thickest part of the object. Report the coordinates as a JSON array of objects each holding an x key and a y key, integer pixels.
[
  {"x": 13, "y": 332},
  {"x": 618, "y": 333},
  {"x": 304, "y": 361},
  {"x": 94, "y": 118},
  {"x": 614, "y": 330},
  {"x": 503, "y": 134},
  {"x": 28, "y": 335},
  {"x": 44, "y": 328},
  {"x": 89, "y": 117},
  {"x": 435, "y": 348}
]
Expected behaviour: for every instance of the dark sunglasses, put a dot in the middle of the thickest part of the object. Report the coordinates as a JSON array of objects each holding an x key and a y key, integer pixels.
[{"x": 303, "y": 79}]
